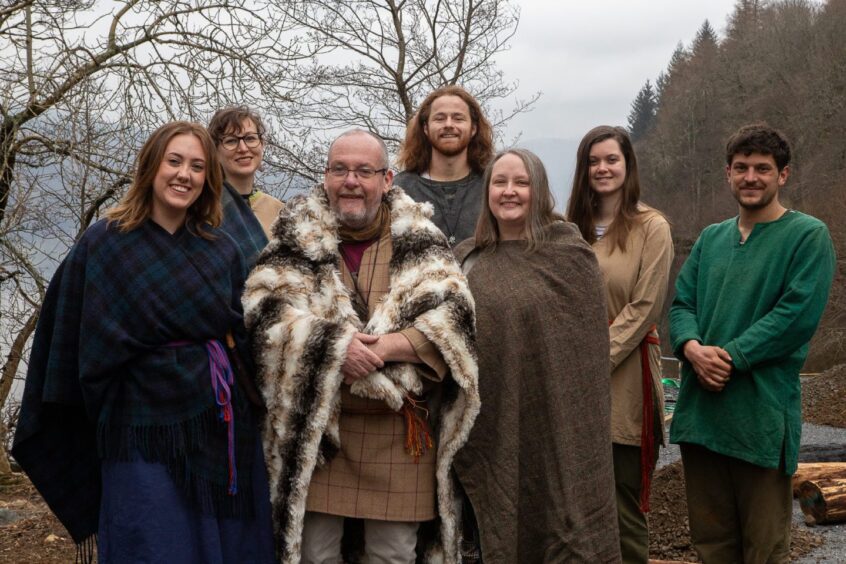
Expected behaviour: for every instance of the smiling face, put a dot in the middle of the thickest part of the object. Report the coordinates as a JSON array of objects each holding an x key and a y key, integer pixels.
[
  {"x": 510, "y": 196},
  {"x": 242, "y": 162},
  {"x": 755, "y": 180},
  {"x": 356, "y": 200},
  {"x": 607, "y": 171},
  {"x": 449, "y": 127},
  {"x": 179, "y": 180}
]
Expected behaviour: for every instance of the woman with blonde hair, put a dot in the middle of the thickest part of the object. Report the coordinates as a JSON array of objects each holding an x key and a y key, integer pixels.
[
  {"x": 534, "y": 467},
  {"x": 635, "y": 251},
  {"x": 132, "y": 426}
]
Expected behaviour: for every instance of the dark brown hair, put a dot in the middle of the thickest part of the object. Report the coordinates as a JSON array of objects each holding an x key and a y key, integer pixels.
[
  {"x": 229, "y": 119},
  {"x": 415, "y": 153},
  {"x": 584, "y": 201},
  {"x": 759, "y": 138},
  {"x": 541, "y": 207},
  {"x": 137, "y": 204}
]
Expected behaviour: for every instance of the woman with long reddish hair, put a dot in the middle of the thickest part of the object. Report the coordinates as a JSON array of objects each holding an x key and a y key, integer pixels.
[
  {"x": 132, "y": 426},
  {"x": 635, "y": 251}
]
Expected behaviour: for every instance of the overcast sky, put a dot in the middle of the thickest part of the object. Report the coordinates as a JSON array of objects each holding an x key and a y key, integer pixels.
[{"x": 590, "y": 58}]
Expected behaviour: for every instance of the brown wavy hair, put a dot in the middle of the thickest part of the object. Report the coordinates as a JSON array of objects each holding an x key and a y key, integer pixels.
[
  {"x": 230, "y": 119},
  {"x": 584, "y": 201},
  {"x": 541, "y": 206},
  {"x": 415, "y": 154},
  {"x": 137, "y": 204}
]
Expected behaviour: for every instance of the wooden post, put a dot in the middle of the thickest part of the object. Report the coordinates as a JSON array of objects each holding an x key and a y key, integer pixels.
[
  {"x": 813, "y": 471},
  {"x": 823, "y": 501}
]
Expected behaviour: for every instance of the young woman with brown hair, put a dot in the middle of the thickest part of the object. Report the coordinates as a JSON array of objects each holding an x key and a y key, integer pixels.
[
  {"x": 635, "y": 251},
  {"x": 131, "y": 424}
]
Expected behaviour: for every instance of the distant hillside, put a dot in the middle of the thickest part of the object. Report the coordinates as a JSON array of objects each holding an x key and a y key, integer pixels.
[
  {"x": 781, "y": 62},
  {"x": 559, "y": 158}
]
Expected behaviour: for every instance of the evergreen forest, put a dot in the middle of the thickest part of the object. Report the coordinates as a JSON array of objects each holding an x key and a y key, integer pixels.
[{"x": 782, "y": 62}]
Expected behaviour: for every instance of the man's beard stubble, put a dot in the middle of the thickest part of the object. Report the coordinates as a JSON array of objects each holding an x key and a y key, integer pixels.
[
  {"x": 764, "y": 201},
  {"x": 448, "y": 150}
]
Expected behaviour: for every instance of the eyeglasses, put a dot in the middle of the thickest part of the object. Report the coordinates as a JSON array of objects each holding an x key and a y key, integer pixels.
[
  {"x": 363, "y": 172},
  {"x": 231, "y": 142}
]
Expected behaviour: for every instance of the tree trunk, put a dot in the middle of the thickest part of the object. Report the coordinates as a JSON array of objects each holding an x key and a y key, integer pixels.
[
  {"x": 7, "y": 164},
  {"x": 823, "y": 501},
  {"x": 10, "y": 369},
  {"x": 813, "y": 471}
]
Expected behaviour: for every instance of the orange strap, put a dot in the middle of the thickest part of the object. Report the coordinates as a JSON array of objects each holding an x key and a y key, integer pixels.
[{"x": 418, "y": 436}]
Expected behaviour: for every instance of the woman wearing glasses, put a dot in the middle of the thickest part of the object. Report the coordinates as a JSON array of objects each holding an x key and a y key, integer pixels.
[{"x": 238, "y": 134}]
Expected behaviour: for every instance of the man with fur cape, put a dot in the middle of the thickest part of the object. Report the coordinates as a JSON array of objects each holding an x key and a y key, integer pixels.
[{"x": 363, "y": 329}]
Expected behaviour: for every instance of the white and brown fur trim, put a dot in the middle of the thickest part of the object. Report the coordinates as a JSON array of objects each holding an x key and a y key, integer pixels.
[{"x": 301, "y": 320}]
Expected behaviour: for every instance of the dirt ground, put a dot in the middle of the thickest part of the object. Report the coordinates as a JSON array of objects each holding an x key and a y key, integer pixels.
[
  {"x": 38, "y": 537},
  {"x": 822, "y": 404},
  {"x": 669, "y": 532},
  {"x": 35, "y": 535},
  {"x": 30, "y": 533},
  {"x": 824, "y": 398}
]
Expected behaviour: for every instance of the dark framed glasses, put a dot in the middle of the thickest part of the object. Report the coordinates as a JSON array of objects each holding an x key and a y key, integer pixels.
[{"x": 231, "y": 142}]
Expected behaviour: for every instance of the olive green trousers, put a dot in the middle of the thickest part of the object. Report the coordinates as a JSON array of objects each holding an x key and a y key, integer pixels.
[{"x": 739, "y": 512}]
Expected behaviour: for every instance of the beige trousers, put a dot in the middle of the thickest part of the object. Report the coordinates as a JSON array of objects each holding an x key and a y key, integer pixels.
[{"x": 385, "y": 542}]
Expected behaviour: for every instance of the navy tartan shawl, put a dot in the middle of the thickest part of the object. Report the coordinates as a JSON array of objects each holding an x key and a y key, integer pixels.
[
  {"x": 242, "y": 224},
  {"x": 119, "y": 370}
]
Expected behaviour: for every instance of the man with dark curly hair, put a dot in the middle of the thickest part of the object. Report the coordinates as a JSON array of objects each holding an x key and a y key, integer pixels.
[{"x": 748, "y": 300}]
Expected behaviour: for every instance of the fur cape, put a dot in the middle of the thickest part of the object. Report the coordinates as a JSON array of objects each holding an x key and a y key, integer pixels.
[{"x": 300, "y": 318}]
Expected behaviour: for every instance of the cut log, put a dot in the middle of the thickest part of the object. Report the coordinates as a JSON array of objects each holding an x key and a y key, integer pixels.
[
  {"x": 822, "y": 453},
  {"x": 813, "y": 471},
  {"x": 823, "y": 501}
]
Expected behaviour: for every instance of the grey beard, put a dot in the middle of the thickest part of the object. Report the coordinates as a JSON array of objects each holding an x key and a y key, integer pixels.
[{"x": 356, "y": 220}]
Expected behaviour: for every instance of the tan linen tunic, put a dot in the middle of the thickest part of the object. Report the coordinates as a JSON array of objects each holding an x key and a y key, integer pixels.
[
  {"x": 266, "y": 208},
  {"x": 373, "y": 477},
  {"x": 635, "y": 288}
]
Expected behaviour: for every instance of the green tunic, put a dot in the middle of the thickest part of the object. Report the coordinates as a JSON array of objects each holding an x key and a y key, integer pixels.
[{"x": 761, "y": 301}]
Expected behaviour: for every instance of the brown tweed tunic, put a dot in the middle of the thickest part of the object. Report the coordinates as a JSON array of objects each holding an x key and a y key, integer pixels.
[{"x": 372, "y": 476}]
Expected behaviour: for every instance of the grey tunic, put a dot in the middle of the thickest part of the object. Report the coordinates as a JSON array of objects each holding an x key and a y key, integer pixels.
[{"x": 456, "y": 203}]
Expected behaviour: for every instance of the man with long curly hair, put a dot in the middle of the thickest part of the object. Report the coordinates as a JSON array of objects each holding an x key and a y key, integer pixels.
[{"x": 447, "y": 145}]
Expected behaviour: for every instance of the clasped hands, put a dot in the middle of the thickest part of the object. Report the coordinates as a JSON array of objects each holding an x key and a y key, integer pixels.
[
  {"x": 711, "y": 364},
  {"x": 361, "y": 359},
  {"x": 368, "y": 353}
]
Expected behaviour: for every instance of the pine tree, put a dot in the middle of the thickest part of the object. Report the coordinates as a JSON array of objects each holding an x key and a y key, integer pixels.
[
  {"x": 674, "y": 67},
  {"x": 706, "y": 38},
  {"x": 745, "y": 21},
  {"x": 642, "y": 116}
]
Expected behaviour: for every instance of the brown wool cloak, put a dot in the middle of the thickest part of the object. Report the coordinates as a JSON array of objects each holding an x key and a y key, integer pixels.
[{"x": 537, "y": 466}]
